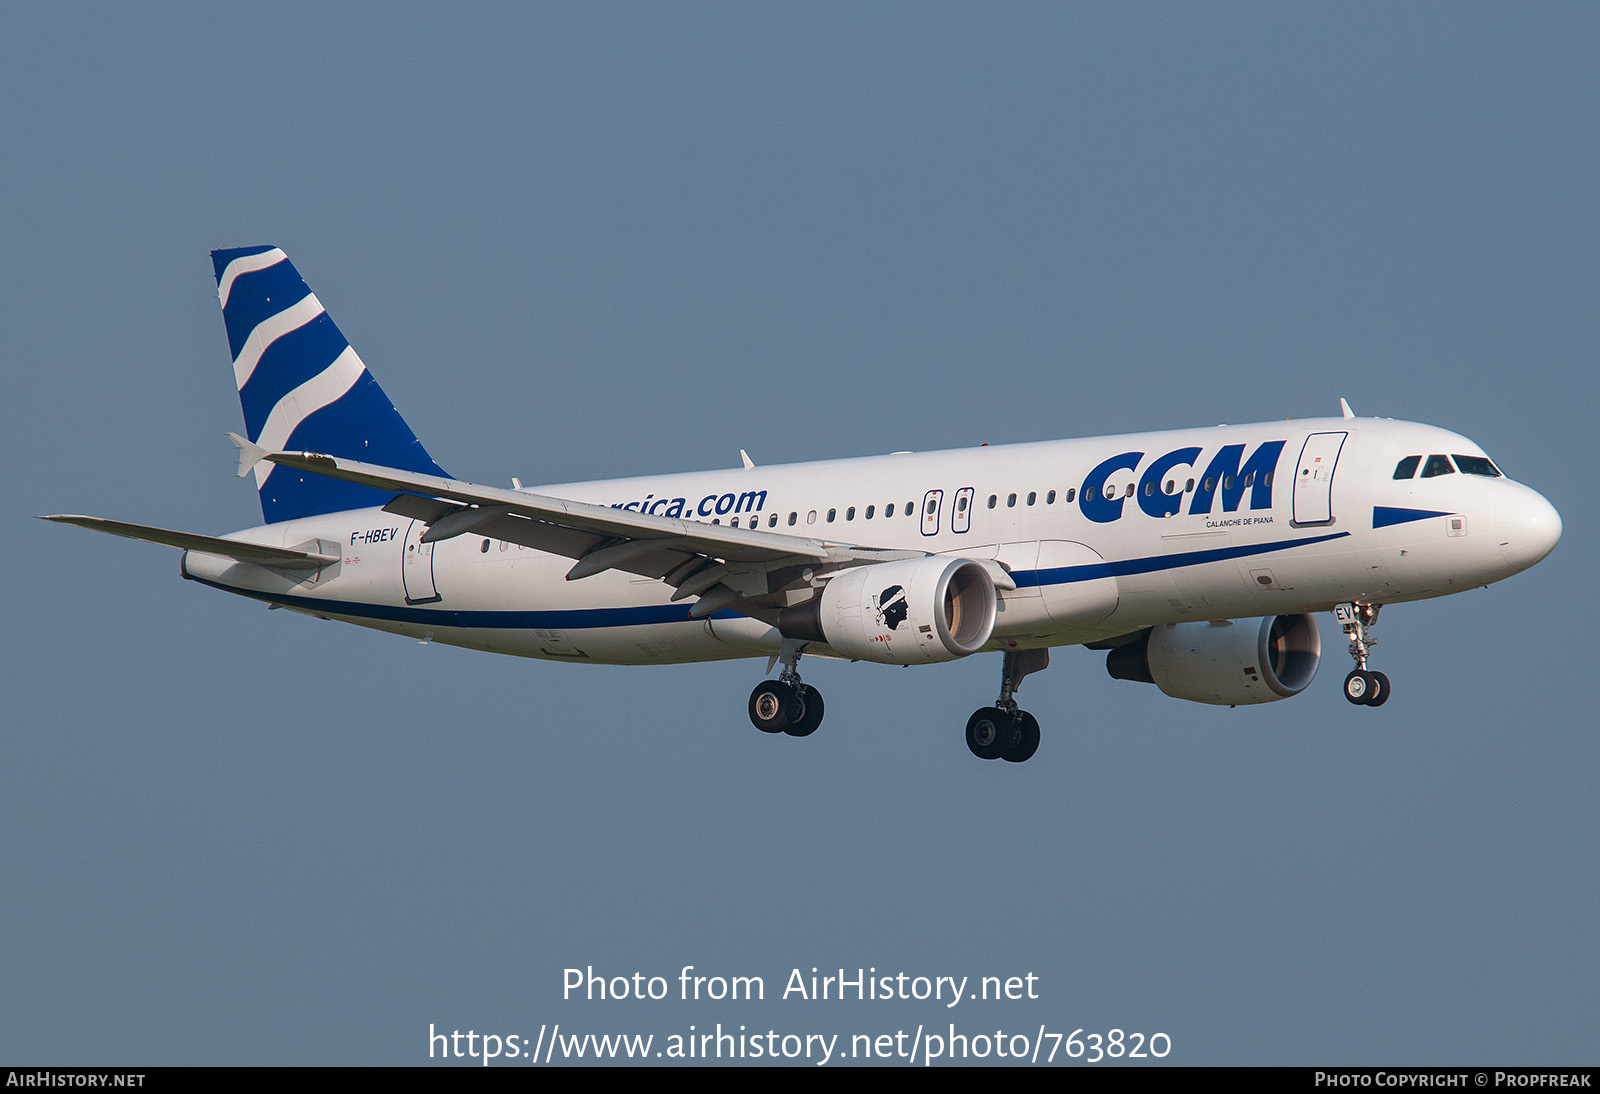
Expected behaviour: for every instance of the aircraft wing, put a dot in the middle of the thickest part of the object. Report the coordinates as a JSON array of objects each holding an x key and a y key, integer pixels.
[
  {"x": 281, "y": 558},
  {"x": 748, "y": 563}
]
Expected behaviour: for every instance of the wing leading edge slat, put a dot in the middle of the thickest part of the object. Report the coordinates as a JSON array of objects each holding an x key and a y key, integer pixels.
[
  {"x": 733, "y": 544},
  {"x": 576, "y": 529}
]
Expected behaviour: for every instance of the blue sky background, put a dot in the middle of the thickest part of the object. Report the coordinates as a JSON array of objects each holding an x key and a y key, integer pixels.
[{"x": 579, "y": 242}]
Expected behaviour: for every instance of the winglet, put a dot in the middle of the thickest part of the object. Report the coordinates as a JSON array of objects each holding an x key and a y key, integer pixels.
[
  {"x": 250, "y": 454},
  {"x": 748, "y": 462},
  {"x": 1345, "y": 408}
]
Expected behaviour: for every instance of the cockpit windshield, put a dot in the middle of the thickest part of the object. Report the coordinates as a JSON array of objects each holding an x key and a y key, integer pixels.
[
  {"x": 1477, "y": 465},
  {"x": 1439, "y": 464}
]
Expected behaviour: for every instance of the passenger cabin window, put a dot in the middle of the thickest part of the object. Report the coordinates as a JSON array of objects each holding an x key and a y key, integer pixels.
[
  {"x": 1407, "y": 467},
  {"x": 1476, "y": 465},
  {"x": 1437, "y": 465}
]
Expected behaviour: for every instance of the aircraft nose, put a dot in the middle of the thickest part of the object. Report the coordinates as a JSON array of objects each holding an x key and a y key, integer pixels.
[{"x": 1528, "y": 526}]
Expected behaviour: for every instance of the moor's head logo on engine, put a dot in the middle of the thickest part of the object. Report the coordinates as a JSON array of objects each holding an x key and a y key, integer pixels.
[{"x": 891, "y": 607}]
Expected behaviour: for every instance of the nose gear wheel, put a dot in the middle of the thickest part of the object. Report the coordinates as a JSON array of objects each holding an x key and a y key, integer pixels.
[{"x": 1363, "y": 687}]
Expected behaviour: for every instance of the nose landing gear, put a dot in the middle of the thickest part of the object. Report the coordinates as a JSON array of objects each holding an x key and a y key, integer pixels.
[{"x": 1362, "y": 687}]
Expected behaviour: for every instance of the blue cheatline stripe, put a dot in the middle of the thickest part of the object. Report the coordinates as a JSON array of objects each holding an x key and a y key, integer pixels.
[
  {"x": 289, "y": 362},
  {"x": 1063, "y": 575},
  {"x": 259, "y": 295},
  {"x": 1383, "y": 516},
  {"x": 569, "y": 619},
  {"x": 595, "y": 618}
]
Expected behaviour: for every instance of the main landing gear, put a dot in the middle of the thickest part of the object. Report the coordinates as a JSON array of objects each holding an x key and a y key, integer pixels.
[
  {"x": 1004, "y": 732},
  {"x": 1000, "y": 732},
  {"x": 1362, "y": 687},
  {"x": 786, "y": 705}
]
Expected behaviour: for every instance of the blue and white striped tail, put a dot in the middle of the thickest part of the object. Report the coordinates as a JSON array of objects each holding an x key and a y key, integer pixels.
[{"x": 304, "y": 389}]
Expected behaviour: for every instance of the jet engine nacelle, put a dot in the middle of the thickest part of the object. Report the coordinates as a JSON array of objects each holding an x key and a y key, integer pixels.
[
  {"x": 910, "y": 612},
  {"x": 1228, "y": 662}
]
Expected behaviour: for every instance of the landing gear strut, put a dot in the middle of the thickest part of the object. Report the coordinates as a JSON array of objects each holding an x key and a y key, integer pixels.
[
  {"x": 786, "y": 705},
  {"x": 1362, "y": 687},
  {"x": 1004, "y": 732}
]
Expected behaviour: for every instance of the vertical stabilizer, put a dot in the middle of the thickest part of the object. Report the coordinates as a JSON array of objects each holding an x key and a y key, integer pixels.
[{"x": 303, "y": 388}]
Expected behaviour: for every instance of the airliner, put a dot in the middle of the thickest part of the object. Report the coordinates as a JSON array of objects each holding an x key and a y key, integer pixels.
[{"x": 1196, "y": 559}]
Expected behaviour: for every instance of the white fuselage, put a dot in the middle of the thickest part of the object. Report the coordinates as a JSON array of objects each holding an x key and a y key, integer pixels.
[{"x": 1223, "y": 522}]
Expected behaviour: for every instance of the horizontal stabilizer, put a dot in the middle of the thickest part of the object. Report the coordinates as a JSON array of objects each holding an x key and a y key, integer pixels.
[{"x": 280, "y": 557}]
